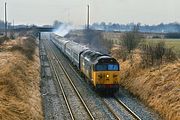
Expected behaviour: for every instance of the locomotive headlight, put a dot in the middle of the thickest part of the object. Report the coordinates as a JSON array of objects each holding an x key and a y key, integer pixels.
[{"x": 107, "y": 76}]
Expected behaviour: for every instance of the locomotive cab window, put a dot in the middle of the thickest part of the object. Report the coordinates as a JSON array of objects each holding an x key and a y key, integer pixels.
[
  {"x": 101, "y": 67},
  {"x": 106, "y": 67},
  {"x": 113, "y": 67}
]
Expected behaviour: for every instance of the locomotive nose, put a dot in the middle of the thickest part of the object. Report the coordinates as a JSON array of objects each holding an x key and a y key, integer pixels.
[{"x": 104, "y": 76}]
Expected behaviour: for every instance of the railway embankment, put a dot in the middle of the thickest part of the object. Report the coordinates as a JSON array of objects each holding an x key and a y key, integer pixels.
[
  {"x": 19, "y": 80},
  {"x": 157, "y": 86}
]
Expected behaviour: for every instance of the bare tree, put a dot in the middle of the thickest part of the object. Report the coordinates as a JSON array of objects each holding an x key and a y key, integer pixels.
[
  {"x": 96, "y": 41},
  {"x": 155, "y": 54},
  {"x": 160, "y": 51},
  {"x": 132, "y": 39}
]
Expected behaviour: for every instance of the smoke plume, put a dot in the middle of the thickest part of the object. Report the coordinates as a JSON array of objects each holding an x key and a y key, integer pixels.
[{"x": 63, "y": 29}]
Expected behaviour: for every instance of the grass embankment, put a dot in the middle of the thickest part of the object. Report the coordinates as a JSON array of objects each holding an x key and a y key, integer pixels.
[
  {"x": 158, "y": 86},
  {"x": 19, "y": 81}
]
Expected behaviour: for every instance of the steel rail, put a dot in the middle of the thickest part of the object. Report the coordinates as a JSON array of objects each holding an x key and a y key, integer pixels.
[
  {"x": 127, "y": 108},
  {"x": 109, "y": 108}
]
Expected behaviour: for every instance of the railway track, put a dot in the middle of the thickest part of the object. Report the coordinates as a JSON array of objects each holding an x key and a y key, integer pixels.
[
  {"x": 117, "y": 107},
  {"x": 114, "y": 111},
  {"x": 127, "y": 108},
  {"x": 56, "y": 64},
  {"x": 135, "y": 116}
]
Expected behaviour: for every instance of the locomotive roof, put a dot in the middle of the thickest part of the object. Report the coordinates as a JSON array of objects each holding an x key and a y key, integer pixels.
[
  {"x": 97, "y": 57},
  {"x": 104, "y": 57},
  {"x": 63, "y": 41},
  {"x": 91, "y": 55},
  {"x": 88, "y": 54}
]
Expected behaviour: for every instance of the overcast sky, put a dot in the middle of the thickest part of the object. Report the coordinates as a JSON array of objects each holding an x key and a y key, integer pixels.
[{"x": 74, "y": 11}]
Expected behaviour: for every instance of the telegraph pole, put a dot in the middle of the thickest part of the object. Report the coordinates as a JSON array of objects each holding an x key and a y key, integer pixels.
[
  {"x": 13, "y": 24},
  {"x": 88, "y": 17},
  {"x": 5, "y": 20}
]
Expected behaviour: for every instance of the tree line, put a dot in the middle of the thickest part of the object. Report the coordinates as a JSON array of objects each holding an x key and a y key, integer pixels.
[{"x": 160, "y": 28}]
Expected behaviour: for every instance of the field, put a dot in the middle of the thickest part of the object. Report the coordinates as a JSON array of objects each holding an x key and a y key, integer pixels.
[
  {"x": 171, "y": 43},
  {"x": 174, "y": 43}
]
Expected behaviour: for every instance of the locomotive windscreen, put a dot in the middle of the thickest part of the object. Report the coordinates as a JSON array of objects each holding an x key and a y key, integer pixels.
[
  {"x": 106, "y": 67},
  {"x": 113, "y": 67}
]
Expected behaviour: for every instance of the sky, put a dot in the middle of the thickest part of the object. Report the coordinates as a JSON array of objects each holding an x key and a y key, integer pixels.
[{"x": 43, "y": 12}]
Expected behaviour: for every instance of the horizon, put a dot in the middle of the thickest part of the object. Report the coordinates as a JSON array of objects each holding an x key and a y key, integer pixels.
[
  {"x": 141, "y": 24},
  {"x": 44, "y": 12}
]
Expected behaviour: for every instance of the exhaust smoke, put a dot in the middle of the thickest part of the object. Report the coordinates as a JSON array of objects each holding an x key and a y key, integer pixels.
[{"x": 63, "y": 29}]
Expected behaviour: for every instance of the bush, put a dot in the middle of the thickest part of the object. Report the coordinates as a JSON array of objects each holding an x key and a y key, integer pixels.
[
  {"x": 172, "y": 35},
  {"x": 96, "y": 41},
  {"x": 3, "y": 39},
  {"x": 131, "y": 39},
  {"x": 122, "y": 53},
  {"x": 156, "y": 53},
  {"x": 12, "y": 36},
  {"x": 170, "y": 54},
  {"x": 156, "y": 36},
  {"x": 27, "y": 47},
  {"x": 30, "y": 45}
]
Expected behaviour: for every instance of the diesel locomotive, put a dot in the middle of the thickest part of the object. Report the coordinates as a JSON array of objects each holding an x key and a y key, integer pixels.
[{"x": 102, "y": 71}]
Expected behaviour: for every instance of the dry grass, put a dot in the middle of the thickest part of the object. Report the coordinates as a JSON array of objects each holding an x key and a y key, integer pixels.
[
  {"x": 158, "y": 87},
  {"x": 26, "y": 46},
  {"x": 19, "y": 85}
]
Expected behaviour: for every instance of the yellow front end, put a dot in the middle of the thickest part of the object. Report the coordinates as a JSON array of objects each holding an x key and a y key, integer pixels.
[{"x": 105, "y": 77}]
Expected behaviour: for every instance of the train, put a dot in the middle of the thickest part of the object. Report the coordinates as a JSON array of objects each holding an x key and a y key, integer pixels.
[{"x": 102, "y": 71}]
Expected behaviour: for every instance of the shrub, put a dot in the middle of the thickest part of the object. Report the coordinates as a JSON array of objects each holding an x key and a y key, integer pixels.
[
  {"x": 156, "y": 53},
  {"x": 122, "y": 53},
  {"x": 96, "y": 41},
  {"x": 172, "y": 35},
  {"x": 170, "y": 54},
  {"x": 3, "y": 39},
  {"x": 27, "y": 47},
  {"x": 131, "y": 39}
]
